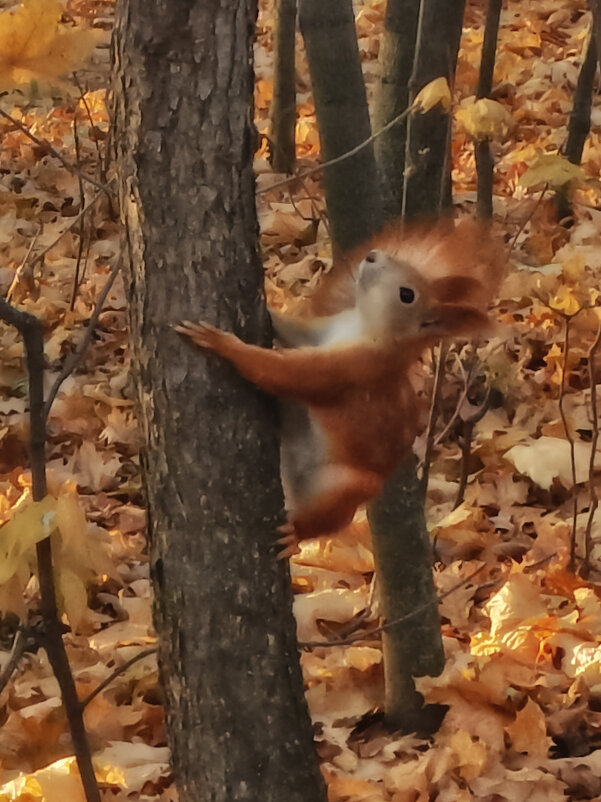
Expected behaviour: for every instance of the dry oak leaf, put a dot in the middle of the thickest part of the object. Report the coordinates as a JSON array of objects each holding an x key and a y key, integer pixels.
[
  {"x": 34, "y": 46},
  {"x": 548, "y": 458},
  {"x": 528, "y": 732}
]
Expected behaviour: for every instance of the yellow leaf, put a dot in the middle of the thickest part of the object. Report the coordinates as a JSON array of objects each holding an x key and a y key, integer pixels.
[
  {"x": 70, "y": 520},
  {"x": 27, "y": 527},
  {"x": 574, "y": 267},
  {"x": 565, "y": 301},
  {"x": 551, "y": 169},
  {"x": 436, "y": 93},
  {"x": 34, "y": 46},
  {"x": 74, "y": 597},
  {"x": 485, "y": 119}
]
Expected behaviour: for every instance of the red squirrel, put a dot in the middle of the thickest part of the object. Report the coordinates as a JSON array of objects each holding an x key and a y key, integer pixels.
[{"x": 354, "y": 412}]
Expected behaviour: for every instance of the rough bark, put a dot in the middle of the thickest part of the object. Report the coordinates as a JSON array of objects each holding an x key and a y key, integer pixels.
[
  {"x": 397, "y": 51},
  {"x": 236, "y": 716},
  {"x": 484, "y": 161},
  {"x": 404, "y": 568},
  {"x": 427, "y": 188},
  {"x": 351, "y": 187},
  {"x": 283, "y": 105}
]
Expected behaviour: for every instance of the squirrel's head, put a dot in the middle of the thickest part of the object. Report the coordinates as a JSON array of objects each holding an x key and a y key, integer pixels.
[{"x": 396, "y": 302}]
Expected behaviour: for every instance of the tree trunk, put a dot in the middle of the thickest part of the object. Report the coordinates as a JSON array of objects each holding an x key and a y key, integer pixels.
[
  {"x": 351, "y": 187},
  {"x": 397, "y": 51},
  {"x": 427, "y": 188},
  {"x": 403, "y": 560},
  {"x": 236, "y": 716},
  {"x": 283, "y": 105},
  {"x": 484, "y": 160},
  {"x": 580, "y": 121}
]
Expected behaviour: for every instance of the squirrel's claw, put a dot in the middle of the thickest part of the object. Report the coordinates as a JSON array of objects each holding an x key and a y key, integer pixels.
[
  {"x": 289, "y": 540},
  {"x": 202, "y": 334}
]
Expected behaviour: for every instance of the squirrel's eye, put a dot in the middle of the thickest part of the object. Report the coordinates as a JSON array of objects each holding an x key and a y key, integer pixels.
[
  {"x": 407, "y": 295},
  {"x": 371, "y": 257}
]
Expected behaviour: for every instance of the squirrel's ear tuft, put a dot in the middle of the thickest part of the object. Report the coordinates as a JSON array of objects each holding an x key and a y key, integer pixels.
[
  {"x": 446, "y": 320},
  {"x": 456, "y": 289}
]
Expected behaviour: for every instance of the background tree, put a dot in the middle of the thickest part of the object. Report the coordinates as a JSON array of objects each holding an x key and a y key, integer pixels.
[
  {"x": 395, "y": 59},
  {"x": 579, "y": 123},
  {"x": 484, "y": 159},
  {"x": 282, "y": 112},
  {"x": 351, "y": 187},
  {"x": 237, "y": 721},
  {"x": 427, "y": 187}
]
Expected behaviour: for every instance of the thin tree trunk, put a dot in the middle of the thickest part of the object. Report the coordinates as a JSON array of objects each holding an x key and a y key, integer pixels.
[
  {"x": 351, "y": 187},
  {"x": 283, "y": 105},
  {"x": 427, "y": 188},
  {"x": 397, "y": 51},
  {"x": 580, "y": 120},
  {"x": 484, "y": 160},
  {"x": 404, "y": 568},
  {"x": 237, "y": 721}
]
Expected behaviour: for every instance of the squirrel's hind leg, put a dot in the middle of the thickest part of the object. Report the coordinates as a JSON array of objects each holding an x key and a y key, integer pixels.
[{"x": 341, "y": 489}]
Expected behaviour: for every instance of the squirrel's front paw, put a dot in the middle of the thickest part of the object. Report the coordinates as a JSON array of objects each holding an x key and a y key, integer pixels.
[{"x": 202, "y": 334}]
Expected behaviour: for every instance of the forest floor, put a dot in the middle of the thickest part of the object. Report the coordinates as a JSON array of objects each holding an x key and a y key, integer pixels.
[{"x": 522, "y": 631}]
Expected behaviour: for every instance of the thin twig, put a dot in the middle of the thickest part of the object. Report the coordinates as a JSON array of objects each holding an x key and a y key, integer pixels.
[
  {"x": 74, "y": 221},
  {"x": 467, "y": 383},
  {"x": 466, "y": 445},
  {"x": 24, "y": 267},
  {"x": 438, "y": 379},
  {"x": 74, "y": 358},
  {"x": 82, "y": 97},
  {"x": 45, "y": 145},
  {"x": 21, "y": 642},
  {"x": 337, "y": 159},
  {"x": 588, "y": 539},
  {"x": 528, "y": 217},
  {"x": 82, "y": 203},
  {"x": 569, "y": 436},
  {"x": 117, "y": 672}
]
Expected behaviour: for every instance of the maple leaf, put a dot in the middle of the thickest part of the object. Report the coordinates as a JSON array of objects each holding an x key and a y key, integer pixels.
[
  {"x": 34, "y": 46},
  {"x": 31, "y": 523},
  {"x": 551, "y": 169},
  {"x": 436, "y": 93}
]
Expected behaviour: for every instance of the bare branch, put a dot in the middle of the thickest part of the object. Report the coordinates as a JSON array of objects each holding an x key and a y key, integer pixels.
[
  {"x": 117, "y": 672},
  {"x": 45, "y": 145},
  {"x": 337, "y": 159},
  {"x": 569, "y": 436}
]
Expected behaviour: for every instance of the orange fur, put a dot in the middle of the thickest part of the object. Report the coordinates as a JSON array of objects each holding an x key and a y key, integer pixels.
[
  {"x": 439, "y": 250},
  {"x": 358, "y": 393}
]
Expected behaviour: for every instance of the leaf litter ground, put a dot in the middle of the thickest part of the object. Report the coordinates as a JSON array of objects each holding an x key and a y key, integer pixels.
[{"x": 522, "y": 636}]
